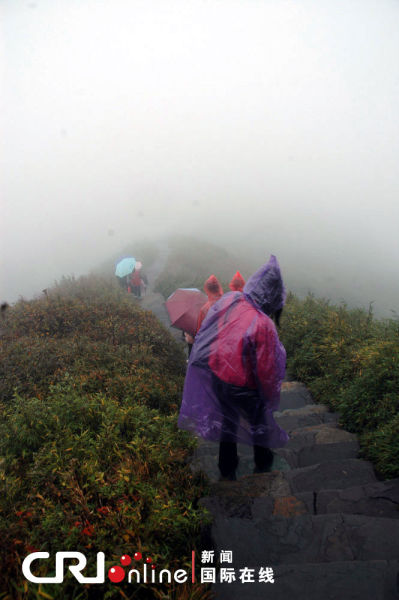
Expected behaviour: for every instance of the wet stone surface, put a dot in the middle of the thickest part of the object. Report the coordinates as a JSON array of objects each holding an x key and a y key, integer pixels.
[{"x": 320, "y": 519}]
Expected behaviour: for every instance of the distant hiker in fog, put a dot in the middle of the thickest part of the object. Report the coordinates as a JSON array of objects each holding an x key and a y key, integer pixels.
[
  {"x": 237, "y": 283},
  {"x": 235, "y": 372},
  {"x": 214, "y": 291},
  {"x": 136, "y": 280}
]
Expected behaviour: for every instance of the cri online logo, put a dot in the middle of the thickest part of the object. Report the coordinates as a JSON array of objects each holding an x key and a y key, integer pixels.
[{"x": 116, "y": 573}]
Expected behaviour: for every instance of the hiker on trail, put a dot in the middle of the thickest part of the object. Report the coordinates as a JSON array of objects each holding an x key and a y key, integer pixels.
[
  {"x": 235, "y": 373},
  {"x": 237, "y": 283},
  {"x": 214, "y": 291},
  {"x": 136, "y": 281}
]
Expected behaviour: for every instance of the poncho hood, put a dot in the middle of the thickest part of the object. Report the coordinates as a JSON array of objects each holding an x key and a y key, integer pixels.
[
  {"x": 237, "y": 283},
  {"x": 212, "y": 288},
  {"x": 265, "y": 288}
]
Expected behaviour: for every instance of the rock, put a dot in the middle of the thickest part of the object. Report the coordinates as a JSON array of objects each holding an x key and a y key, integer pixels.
[
  {"x": 307, "y": 539},
  {"x": 294, "y": 395},
  {"x": 318, "y": 453},
  {"x": 311, "y": 414},
  {"x": 379, "y": 499},
  {"x": 331, "y": 475},
  {"x": 262, "y": 484},
  {"x": 325, "y": 433},
  {"x": 206, "y": 457}
]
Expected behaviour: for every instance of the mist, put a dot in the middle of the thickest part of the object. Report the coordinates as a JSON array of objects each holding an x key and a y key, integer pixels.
[{"x": 267, "y": 126}]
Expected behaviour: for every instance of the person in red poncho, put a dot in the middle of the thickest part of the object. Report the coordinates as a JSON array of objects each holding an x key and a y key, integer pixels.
[
  {"x": 237, "y": 283},
  {"x": 214, "y": 291},
  {"x": 134, "y": 282}
]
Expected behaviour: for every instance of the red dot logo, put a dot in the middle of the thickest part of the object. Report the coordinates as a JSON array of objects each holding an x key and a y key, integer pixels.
[
  {"x": 125, "y": 560},
  {"x": 137, "y": 556},
  {"x": 116, "y": 574}
]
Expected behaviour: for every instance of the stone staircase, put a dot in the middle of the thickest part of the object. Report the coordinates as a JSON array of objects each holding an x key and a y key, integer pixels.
[{"x": 320, "y": 519}]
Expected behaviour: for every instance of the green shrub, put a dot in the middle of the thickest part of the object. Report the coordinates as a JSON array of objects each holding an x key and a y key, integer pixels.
[
  {"x": 91, "y": 457},
  {"x": 371, "y": 397},
  {"x": 104, "y": 344},
  {"x": 351, "y": 363},
  {"x": 382, "y": 448},
  {"x": 87, "y": 473}
]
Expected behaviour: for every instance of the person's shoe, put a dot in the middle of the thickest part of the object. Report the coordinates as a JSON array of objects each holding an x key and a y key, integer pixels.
[
  {"x": 267, "y": 469},
  {"x": 263, "y": 460}
]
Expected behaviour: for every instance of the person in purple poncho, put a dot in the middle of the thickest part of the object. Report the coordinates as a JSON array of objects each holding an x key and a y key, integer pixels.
[{"x": 235, "y": 372}]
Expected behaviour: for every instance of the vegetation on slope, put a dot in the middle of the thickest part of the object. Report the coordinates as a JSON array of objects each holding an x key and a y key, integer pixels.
[
  {"x": 91, "y": 457},
  {"x": 350, "y": 361}
]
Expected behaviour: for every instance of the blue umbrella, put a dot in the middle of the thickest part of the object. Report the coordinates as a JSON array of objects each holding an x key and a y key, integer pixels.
[{"x": 125, "y": 267}]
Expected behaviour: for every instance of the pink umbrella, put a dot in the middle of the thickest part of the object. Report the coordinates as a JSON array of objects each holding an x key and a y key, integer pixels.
[{"x": 183, "y": 307}]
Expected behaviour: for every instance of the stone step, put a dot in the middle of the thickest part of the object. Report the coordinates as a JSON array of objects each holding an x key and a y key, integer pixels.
[
  {"x": 307, "y": 446},
  {"x": 325, "y": 433},
  {"x": 253, "y": 486},
  {"x": 318, "y": 453},
  {"x": 327, "y": 527},
  {"x": 379, "y": 499},
  {"x": 305, "y": 449},
  {"x": 206, "y": 457},
  {"x": 294, "y": 395},
  {"x": 311, "y": 414},
  {"x": 357, "y": 580},
  {"x": 336, "y": 474},
  {"x": 306, "y": 539}
]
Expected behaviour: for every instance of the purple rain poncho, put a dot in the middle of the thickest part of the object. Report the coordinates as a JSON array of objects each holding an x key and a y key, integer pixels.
[{"x": 237, "y": 365}]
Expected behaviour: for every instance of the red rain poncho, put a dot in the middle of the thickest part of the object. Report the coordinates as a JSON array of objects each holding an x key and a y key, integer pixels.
[
  {"x": 135, "y": 278},
  {"x": 237, "y": 283},
  {"x": 237, "y": 366},
  {"x": 214, "y": 291}
]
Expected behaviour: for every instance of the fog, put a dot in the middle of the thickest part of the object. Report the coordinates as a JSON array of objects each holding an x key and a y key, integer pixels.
[{"x": 268, "y": 126}]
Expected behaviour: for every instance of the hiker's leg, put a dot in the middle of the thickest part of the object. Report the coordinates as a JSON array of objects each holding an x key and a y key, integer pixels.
[
  {"x": 263, "y": 456},
  {"x": 228, "y": 459}
]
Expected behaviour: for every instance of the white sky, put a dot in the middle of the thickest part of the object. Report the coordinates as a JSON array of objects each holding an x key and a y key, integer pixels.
[{"x": 272, "y": 124}]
